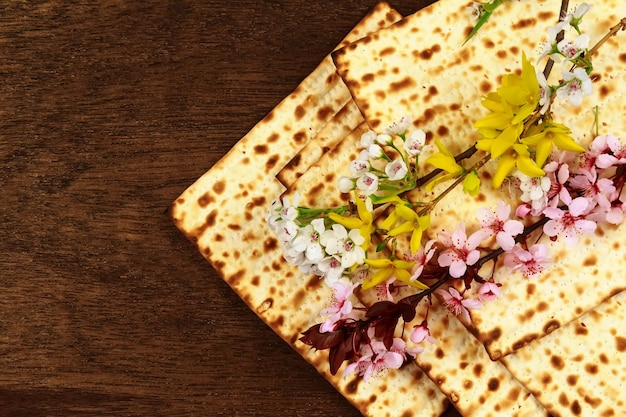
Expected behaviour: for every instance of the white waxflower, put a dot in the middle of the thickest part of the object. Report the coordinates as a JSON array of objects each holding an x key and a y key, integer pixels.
[
  {"x": 286, "y": 230},
  {"x": 571, "y": 49},
  {"x": 346, "y": 184},
  {"x": 399, "y": 127},
  {"x": 576, "y": 85},
  {"x": 375, "y": 151},
  {"x": 367, "y": 183},
  {"x": 331, "y": 269},
  {"x": 414, "y": 144},
  {"x": 545, "y": 93},
  {"x": 396, "y": 170},
  {"x": 550, "y": 48},
  {"x": 359, "y": 166},
  {"x": 334, "y": 238},
  {"x": 534, "y": 190},
  {"x": 384, "y": 139},
  {"x": 287, "y": 211},
  {"x": 308, "y": 240},
  {"x": 368, "y": 138},
  {"x": 573, "y": 19}
]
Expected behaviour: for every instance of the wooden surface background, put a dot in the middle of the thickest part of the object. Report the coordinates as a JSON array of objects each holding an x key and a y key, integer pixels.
[{"x": 108, "y": 111}]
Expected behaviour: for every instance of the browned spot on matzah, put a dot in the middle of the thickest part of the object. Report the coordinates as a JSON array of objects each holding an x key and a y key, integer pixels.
[
  {"x": 271, "y": 162},
  {"x": 299, "y": 136},
  {"x": 387, "y": 51},
  {"x": 581, "y": 330},
  {"x": 219, "y": 187},
  {"x": 407, "y": 82},
  {"x": 551, "y": 326},
  {"x": 593, "y": 402},
  {"x": 255, "y": 280},
  {"x": 557, "y": 362},
  {"x": 524, "y": 23},
  {"x": 547, "y": 15},
  {"x": 368, "y": 77},
  {"x": 210, "y": 218},
  {"x": 205, "y": 200},
  {"x": 273, "y": 137},
  {"x": 236, "y": 276},
  {"x": 572, "y": 379},
  {"x": 478, "y": 369},
  {"x": 485, "y": 87},
  {"x": 324, "y": 112},
  {"x": 620, "y": 343},
  {"x": 261, "y": 149},
  {"x": 270, "y": 244},
  {"x": 299, "y": 112},
  {"x": 493, "y": 384}
]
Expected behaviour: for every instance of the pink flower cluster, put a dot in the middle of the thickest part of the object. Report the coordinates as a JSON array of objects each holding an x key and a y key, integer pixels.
[{"x": 584, "y": 190}]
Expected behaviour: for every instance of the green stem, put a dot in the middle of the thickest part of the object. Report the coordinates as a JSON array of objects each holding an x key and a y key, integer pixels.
[{"x": 458, "y": 181}]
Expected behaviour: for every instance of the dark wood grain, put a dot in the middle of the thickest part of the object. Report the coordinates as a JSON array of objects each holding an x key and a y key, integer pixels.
[{"x": 108, "y": 111}]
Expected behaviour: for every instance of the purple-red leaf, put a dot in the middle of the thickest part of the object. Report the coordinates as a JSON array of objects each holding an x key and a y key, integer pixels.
[{"x": 313, "y": 337}]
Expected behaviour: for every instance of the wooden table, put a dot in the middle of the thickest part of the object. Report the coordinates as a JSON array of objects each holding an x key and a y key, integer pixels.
[{"x": 108, "y": 111}]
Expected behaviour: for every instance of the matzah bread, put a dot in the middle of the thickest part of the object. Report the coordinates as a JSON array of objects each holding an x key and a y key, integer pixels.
[
  {"x": 413, "y": 68},
  {"x": 346, "y": 120},
  {"x": 243, "y": 249},
  {"x": 457, "y": 363},
  {"x": 580, "y": 369}
]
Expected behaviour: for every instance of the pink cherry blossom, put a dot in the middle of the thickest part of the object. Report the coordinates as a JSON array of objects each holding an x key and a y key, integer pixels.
[
  {"x": 421, "y": 258},
  {"x": 460, "y": 250},
  {"x": 498, "y": 223},
  {"x": 341, "y": 306},
  {"x": 611, "y": 151},
  {"x": 387, "y": 290},
  {"x": 458, "y": 305},
  {"x": 558, "y": 171},
  {"x": 488, "y": 291},
  {"x": 569, "y": 222},
  {"x": 374, "y": 358},
  {"x": 593, "y": 187},
  {"x": 529, "y": 262},
  {"x": 420, "y": 333}
]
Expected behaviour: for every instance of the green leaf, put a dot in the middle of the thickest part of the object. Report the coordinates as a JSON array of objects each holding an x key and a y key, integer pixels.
[{"x": 488, "y": 8}]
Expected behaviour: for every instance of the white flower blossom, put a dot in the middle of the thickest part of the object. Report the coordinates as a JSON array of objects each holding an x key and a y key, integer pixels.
[
  {"x": 399, "y": 127},
  {"x": 286, "y": 230},
  {"x": 384, "y": 139},
  {"x": 368, "y": 138},
  {"x": 396, "y": 170},
  {"x": 475, "y": 10},
  {"x": 375, "y": 151},
  {"x": 368, "y": 183},
  {"x": 308, "y": 240},
  {"x": 414, "y": 144},
  {"x": 334, "y": 238},
  {"x": 550, "y": 47},
  {"x": 573, "y": 19},
  {"x": 359, "y": 167},
  {"x": 346, "y": 184},
  {"x": 331, "y": 269},
  {"x": 571, "y": 49},
  {"x": 576, "y": 85},
  {"x": 545, "y": 93},
  {"x": 534, "y": 190},
  {"x": 353, "y": 253},
  {"x": 287, "y": 211}
]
